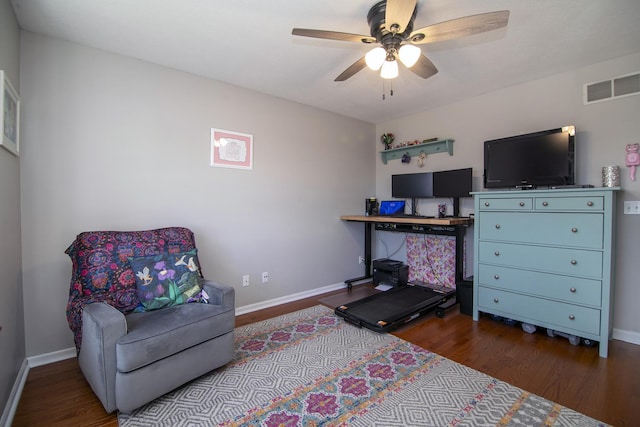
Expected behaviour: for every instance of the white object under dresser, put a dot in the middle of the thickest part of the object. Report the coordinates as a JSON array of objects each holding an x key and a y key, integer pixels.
[{"x": 545, "y": 257}]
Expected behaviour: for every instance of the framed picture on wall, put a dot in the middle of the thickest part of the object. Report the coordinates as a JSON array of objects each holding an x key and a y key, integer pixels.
[
  {"x": 231, "y": 149},
  {"x": 9, "y": 115}
]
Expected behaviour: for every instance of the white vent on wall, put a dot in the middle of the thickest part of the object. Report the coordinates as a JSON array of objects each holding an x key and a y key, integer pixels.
[{"x": 610, "y": 89}]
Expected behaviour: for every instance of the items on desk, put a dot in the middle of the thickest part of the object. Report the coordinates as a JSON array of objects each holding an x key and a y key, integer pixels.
[
  {"x": 371, "y": 206},
  {"x": 391, "y": 207}
]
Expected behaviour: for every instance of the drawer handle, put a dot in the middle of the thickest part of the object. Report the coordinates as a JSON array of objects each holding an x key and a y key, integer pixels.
[
  {"x": 497, "y": 253},
  {"x": 487, "y": 204},
  {"x": 497, "y": 277},
  {"x": 521, "y": 204},
  {"x": 574, "y": 262},
  {"x": 589, "y": 203},
  {"x": 572, "y": 317},
  {"x": 572, "y": 290},
  {"x": 574, "y": 230},
  {"x": 496, "y": 300},
  {"x": 498, "y": 226},
  {"x": 545, "y": 203}
]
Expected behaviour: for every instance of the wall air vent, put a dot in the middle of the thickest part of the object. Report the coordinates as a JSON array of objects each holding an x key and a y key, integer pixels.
[{"x": 610, "y": 89}]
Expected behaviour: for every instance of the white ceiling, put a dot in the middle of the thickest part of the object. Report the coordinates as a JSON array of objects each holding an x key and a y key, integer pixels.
[{"x": 248, "y": 43}]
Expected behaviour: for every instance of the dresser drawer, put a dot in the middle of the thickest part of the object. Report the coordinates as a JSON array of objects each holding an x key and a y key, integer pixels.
[
  {"x": 573, "y": 262},
  {"x": 532, "y": 309},
  {"x": 569, "y": 289},
  {"x": 515, "y": 204},
  {"x": 583, "y": 230},
  {"x": 582, "y": 203}
]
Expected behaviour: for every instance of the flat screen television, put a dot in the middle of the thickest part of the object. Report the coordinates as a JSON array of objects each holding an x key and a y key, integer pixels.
[{"x": 539, "y": 159}]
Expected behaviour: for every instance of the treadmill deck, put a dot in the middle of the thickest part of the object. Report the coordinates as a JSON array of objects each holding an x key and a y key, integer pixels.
[{"x": 389, "y": 310}]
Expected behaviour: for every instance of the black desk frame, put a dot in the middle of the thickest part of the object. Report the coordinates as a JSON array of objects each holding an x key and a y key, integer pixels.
[{"x": 419, "y": 227}]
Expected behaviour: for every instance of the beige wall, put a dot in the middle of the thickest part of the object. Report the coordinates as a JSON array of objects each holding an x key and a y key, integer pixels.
[
  {"x": 116, "y": 143},
  {"x": 12, "y": 347},
  {"x": 603, "y": 130}
]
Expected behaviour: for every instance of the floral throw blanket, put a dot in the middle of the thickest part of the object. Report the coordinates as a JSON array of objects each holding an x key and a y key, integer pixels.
[{"x": 101, "y": 271}]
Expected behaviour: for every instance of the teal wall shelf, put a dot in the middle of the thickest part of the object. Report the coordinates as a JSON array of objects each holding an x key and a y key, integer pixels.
[{"x": 441, "y": 146}]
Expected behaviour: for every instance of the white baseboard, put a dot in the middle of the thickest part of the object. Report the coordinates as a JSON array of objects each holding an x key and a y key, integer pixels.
[
  {"x": 626, "y": 336},
  {"x": 55, "y": 356},
  {"x": 288, "y": 298},
  {"x": 14, "y": 397}
]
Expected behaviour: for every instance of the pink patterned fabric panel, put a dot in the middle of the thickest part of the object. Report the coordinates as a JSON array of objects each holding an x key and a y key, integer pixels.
[{"x": 432, "y": 259}]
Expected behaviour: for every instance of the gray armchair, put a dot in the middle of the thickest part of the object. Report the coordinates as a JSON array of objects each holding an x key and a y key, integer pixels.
[{"x": 130, "y": 358}]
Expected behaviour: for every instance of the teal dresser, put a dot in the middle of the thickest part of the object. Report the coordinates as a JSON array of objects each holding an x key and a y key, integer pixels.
[{"x": 545, "y": 257}]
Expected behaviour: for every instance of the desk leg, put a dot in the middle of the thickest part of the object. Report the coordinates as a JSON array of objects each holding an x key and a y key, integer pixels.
[
  {"x": 367, "y": 256},
  {"x": 459, "y": 267}
]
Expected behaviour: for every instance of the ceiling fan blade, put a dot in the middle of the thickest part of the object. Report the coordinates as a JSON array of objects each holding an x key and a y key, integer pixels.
[
  {"x": 398, "y": 12},
  {"x": 333, "y": 35},
  {"x": 460, "y": 27},
  {"x": 424, "y": 67},
  {"x": 353, "y": 69}
]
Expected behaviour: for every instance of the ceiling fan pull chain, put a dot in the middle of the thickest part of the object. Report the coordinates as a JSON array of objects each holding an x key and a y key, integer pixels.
[{"x": 384, "y": 96}]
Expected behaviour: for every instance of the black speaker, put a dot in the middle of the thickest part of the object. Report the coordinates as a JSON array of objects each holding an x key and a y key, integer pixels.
[{"x": 371, "y": 206}]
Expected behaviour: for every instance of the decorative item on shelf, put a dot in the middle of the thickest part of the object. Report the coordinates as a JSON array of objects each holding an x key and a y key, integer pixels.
[
  {"x": 632, "y": 159},
  {"x": 610, "y": 176},
  {"x": 421, "y": 158},
  {"x": 428, "y": 146},
  {"x": 387, "y": 139},
  {"x": 406, "y": 158}
]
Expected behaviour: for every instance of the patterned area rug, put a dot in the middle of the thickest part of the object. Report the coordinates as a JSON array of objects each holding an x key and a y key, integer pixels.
[{"x": 309, "y": 368}]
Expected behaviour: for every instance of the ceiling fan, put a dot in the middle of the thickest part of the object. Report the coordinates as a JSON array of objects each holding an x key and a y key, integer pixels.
[{"x": 391, "y": 24}]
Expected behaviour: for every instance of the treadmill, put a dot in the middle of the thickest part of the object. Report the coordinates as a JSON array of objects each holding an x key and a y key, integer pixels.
[{"x": 387, "y": 311}]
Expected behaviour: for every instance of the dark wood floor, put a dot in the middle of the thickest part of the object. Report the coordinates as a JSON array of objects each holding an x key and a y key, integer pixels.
[{"x": 574, "y": 376}]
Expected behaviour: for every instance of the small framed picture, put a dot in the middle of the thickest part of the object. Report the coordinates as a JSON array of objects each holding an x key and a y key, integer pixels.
[
  {"x": 9, "y": 116},
  {"x": 231, "y": 149}
]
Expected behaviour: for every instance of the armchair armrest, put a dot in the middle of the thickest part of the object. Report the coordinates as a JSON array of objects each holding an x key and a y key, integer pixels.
[
  {"x": 219, "y": 293},
  {"x": 102, "y": 325}
]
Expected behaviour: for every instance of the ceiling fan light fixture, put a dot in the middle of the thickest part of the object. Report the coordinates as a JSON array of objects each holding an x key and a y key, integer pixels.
[
  {"x": 391, "y": 26},
  {"x": 389, "y": 70},
  {"x": 409, "y": 54},
  {"x": 375, "y": 58}
]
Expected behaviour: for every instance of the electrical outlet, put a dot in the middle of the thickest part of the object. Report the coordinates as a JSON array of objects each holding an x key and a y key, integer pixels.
[
  {"x": 360, "y": 259},
  {"x": 265, "y": 277},
  {"x": 245, "y": 280},
  {"x": 632, "y": 207}
]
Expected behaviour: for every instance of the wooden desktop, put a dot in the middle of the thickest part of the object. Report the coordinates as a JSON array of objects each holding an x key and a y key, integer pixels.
[{"x": 409, "y": 220}]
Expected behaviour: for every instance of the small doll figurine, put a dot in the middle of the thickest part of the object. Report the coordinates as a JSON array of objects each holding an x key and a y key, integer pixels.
[{"x": 632, "y": 159}]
